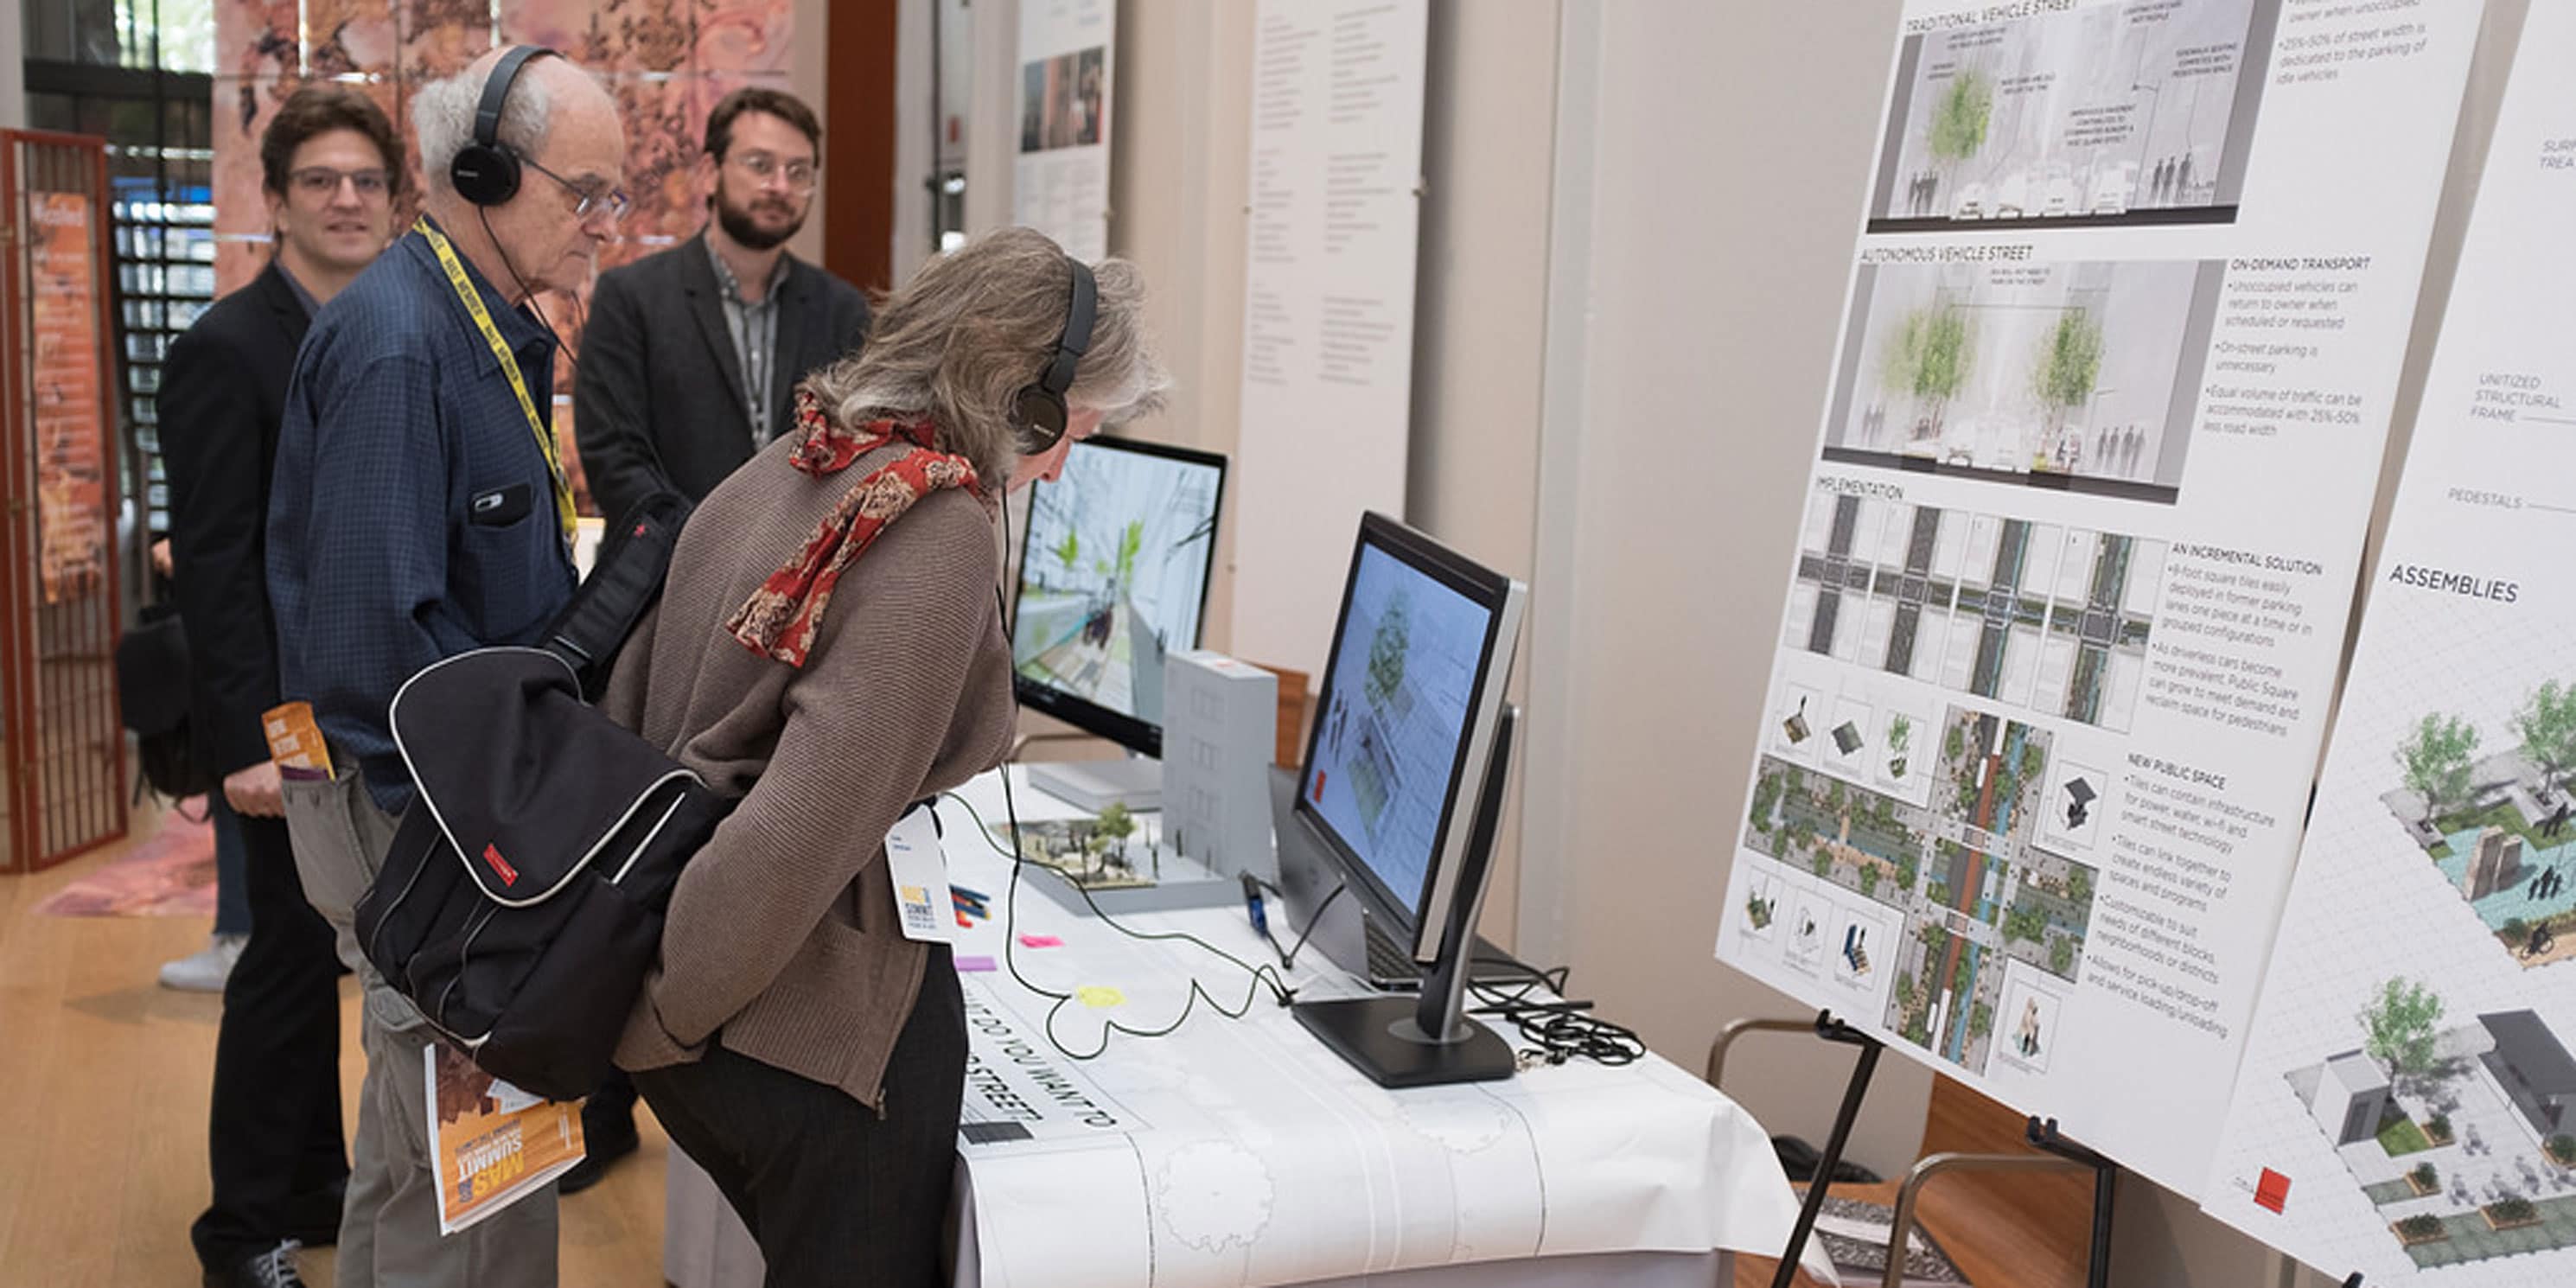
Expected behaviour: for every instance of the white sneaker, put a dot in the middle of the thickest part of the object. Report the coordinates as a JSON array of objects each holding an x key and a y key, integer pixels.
[{"x": 205, "y": 970}]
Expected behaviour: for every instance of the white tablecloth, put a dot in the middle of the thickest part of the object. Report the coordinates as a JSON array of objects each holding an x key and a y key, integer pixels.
[{"x": 1235, "y": 1153}]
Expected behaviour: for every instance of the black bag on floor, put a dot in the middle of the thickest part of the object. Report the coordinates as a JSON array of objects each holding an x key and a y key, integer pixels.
[{"x": 521, "y": 903}]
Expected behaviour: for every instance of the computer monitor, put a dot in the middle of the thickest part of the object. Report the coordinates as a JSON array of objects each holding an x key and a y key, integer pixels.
[
  {"x": 1114, "y": 574},
  {"x": 1405, "y": 723}
]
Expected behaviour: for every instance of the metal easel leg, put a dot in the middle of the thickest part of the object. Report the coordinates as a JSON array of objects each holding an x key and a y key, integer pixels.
[
  {"x": 2106, "y": 1182},
  {"x": 1831, "y": 1030}
]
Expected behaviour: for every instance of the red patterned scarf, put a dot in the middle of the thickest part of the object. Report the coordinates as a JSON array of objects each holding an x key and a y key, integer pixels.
[{"x": 780, "y": 619}]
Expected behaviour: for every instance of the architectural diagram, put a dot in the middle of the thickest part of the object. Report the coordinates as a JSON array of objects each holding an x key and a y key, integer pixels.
[
  {"x": 2111, "y": 112},
  {"x": 1970, "y": 889},
  {"x": 2498, "y": 826},
  {"x": 2046, "y": 618},
  {"x": 2459, "y": 1134},
  {"x": 2082, "y": 375}
]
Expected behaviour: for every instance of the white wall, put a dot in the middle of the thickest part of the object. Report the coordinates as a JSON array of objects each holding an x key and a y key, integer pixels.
[
  {"x": 1697, "y": 281},
  {"x": 807, "y": 79},
  {"x": 13, "y": 71}
]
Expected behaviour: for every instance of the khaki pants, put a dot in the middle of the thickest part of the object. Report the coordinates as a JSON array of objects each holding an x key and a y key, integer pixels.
[{"x": 389, "y": 1229}]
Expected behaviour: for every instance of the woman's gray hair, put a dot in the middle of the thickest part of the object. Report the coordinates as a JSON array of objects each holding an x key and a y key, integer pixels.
[
  {"x": 972, "y": 329},
  {"x": 442, "y": 114}
]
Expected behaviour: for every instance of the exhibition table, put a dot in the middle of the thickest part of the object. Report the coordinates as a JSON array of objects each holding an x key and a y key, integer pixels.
[{"x": 1238, "y": 1152}]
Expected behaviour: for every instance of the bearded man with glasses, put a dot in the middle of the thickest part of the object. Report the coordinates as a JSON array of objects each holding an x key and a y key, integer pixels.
[{"x": 690, "y": 357}]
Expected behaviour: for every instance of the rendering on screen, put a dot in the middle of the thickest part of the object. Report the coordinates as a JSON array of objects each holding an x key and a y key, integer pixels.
[{"x": 1114, "y": 574}]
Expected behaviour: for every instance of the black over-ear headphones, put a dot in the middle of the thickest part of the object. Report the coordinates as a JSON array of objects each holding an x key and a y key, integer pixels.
[
  {"x": 1042, "y": 413},
  {"x": 486, "y": 171}
]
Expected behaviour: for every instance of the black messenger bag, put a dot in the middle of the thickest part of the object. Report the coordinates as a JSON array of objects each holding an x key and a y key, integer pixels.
[{"x": 521, "y": 903}]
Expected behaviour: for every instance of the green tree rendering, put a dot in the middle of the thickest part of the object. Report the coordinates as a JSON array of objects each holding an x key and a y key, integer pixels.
[
  {"x": 1981, "y": 1021},
  {"x": 1900, "y": 731},
  {"x": 1869, "y": 879},
  {"x": 2562, "y": 1150},
  {"x": 2401, "y": 1028},
  {"x": 2426, "y": 1178},
  {"x": 2070, "y": 361},
  {"x": 2079, "y": 885},
  {"x": 1907, "y": 869},
  {"x": 1930, "y": 356},
  {"x": 2438, "y": 758},
  {"x": 1824, "y": 861},
  {"x": 1113, "y": 828},
  {"x": 1387, "y": 649},
  {"x": 1905, "y": 991},
  {"x": 2029, "y": 925},
  {"x": 1069, "y": 549},
  {"x": 2061, "y": 958},
  {"x": 1959, "y": 120},
  {"x": 1128, "y": 545},
  {"x": 2547, "y": 723},
  {"x": 1766, "y": 796}
]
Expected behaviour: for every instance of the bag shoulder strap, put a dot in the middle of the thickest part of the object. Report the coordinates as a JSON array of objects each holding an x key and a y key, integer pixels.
[{"x": 625, "y": 580}]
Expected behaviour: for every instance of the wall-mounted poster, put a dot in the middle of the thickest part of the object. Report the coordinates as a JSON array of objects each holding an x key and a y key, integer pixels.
[
  {"x": 71, "y": 448},
  {"x": 2120, "y": 349},
  {"x": 1061, "y": 177},
  {"x": 666, "y": 62}
]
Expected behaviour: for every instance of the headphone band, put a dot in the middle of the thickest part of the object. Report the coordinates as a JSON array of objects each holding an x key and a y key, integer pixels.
[
  {"x": 496, "y": 92},
  {"x": 1079, "y": 313}
]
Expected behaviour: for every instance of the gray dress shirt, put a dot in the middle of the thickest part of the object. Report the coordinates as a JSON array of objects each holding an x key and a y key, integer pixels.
[{"x": 755, "y": 338}]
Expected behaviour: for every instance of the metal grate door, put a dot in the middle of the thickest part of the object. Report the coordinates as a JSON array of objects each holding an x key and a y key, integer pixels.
[{"x": 62, "y": 745}]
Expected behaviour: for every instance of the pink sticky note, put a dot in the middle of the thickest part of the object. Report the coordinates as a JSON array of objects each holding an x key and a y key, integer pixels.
[
  {"x": 970, "y": 965},
  {"x": 1040, "y": 941}
]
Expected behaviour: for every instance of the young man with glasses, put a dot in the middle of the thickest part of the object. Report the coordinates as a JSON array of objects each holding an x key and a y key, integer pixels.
[
  {"x": 419, "y": 511},
  {"x": 330, "y": 166},
  {"x": 690, "y": 357}
]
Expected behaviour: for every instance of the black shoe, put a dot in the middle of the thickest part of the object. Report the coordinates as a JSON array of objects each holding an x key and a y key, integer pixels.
[
  {"x": 272, "y": 1268},
  {"x": 313, "y": 1217},
  {"x": 603, "y": 1149}
]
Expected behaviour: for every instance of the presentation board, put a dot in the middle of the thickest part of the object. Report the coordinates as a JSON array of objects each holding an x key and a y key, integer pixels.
[
  {"x": 1060, "y": 179},
  {"x": 2407, "y": 1102},
  {"x": 2099, "y": 448},
  {"x": 1335, "y": 214}
]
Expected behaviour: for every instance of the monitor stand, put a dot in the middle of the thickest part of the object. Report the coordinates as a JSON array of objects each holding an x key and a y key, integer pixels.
[
  {"x": 1094, "y": 785},
  {"x": 1426, "y": 1040}
]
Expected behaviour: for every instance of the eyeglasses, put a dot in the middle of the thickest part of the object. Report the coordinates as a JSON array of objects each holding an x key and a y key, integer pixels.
[
  {"x": 591, "y": 197},
  {"x": 761, "y": 166},
  {"x": 325, "y": 181}
]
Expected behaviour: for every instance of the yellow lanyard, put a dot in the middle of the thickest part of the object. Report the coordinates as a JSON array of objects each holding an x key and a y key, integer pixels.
[{"x": 509, "y": 367}]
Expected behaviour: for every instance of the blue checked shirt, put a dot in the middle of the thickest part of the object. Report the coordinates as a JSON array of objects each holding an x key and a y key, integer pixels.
[{"x": 411, "y": 516}]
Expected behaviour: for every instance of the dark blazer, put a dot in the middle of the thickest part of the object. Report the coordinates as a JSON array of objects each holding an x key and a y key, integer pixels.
[
  {"x": 223, "y": 393},
  {"x": 657, "y": 392}
]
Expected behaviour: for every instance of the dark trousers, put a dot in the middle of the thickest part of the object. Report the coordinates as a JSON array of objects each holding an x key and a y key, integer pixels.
[
  {"x": 274, "y": 1131},
  {"x": 833, "y": 1193}
]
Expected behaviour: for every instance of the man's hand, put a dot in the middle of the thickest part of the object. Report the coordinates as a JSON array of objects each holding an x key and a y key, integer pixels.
[
  {"x": 161, "y": 556},
  {"x": 253, "y": 791}
]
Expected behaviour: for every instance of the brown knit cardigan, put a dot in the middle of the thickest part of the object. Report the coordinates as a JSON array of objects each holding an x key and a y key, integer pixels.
[{"x": 781, "y": 942}]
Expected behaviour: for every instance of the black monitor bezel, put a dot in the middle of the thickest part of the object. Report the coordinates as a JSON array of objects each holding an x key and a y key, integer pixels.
[
  {"x": 1490, "y": 590},
  {"x": 1137, "y": 735}
]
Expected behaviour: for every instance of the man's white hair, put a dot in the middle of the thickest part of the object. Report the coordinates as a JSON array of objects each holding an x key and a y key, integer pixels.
[{"x": 442, "y": 114}]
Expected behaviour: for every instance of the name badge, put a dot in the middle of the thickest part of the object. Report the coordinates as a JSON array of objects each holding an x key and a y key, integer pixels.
[{"x": 920, "y": 873}]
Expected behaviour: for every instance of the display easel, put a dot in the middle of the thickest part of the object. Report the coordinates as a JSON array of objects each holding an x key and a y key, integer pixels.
[{"x": 2057, "y": 1153}]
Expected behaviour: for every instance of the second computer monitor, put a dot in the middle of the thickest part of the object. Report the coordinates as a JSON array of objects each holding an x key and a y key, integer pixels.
[
  {"x": 1404, "y": 727},
  {"x": 1114, "y": 574}
]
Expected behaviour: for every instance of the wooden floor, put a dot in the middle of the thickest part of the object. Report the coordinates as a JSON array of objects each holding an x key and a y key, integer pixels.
[
  {"x": 103, "y": 1101},
  {"x": 2016, "y": 1230}
]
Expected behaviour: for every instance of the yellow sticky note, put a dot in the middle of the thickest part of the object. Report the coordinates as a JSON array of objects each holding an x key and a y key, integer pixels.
[{"x": 1098, "y": 998}]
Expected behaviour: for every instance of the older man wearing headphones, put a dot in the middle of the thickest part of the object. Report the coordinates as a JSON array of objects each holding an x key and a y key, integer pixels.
[{"x": 419, "y": 510}]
